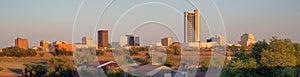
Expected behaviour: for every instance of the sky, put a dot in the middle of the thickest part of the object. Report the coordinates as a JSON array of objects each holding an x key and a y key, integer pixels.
[{"x": 53, "y": 19}]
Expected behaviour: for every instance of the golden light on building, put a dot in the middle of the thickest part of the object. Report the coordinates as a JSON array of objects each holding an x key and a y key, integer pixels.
[{"x": 192, "y": 26}]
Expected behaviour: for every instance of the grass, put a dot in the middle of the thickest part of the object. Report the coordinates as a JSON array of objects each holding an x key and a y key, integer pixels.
[{"x": 13, "y": 66}]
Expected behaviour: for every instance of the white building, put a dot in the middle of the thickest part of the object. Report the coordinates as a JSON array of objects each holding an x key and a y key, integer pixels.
[
  {"x": 87, "y": 42},
  {"x": 218, "y": 39},
  {"x": 129, "y": 40}
]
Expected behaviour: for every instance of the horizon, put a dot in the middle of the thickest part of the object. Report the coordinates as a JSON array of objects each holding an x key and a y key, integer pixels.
[{"x": 40, "y": 20}]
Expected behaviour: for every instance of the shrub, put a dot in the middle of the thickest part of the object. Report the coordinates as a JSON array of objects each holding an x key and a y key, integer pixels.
[{"x": 1, "y": 68}]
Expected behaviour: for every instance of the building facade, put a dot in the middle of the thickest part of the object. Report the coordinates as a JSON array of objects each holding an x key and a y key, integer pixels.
[
  {"x": 62, "y": 45},
  {"x": 167, "y": 41},
  {"x": 218, "y": 39},
  {"x": 45, "y": 44},
  {"x": 103, "y": 38},
  {"x": 129, "y": 40},
  {"x": 247, "y": 40},
  {"x": 87, "y": 42},
  {"x": 21, "y": 42},
  {"x": 192, "y": 26}
]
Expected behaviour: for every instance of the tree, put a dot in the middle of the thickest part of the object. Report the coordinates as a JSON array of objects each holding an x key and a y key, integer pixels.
[
  {"x": 40, "y": 70},
  {"x": 114, "y": 72},
  {"x": 62, "y": 67},
  {"x": 29, "y": 69},
  {"x": 148, "y": 59},
  {"x": 278, "y": 58},
  {"x": 100, "y": 52}
]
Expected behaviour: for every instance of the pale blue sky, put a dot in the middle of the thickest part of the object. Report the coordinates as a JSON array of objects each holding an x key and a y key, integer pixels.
[{"x": 52, "y": 19}]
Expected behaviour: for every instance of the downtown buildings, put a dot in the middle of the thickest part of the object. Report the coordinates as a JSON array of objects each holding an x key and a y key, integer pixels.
[
  {"x": 167, "y": 41},
  {"x": 129, "y": 40},
  {"x": 192, "y": 26},
  {"x": 86, "y": 42},
  {"x": 21, "y": 42},
  {"x": 103, "y": 38},
  {"x": 247, "y": 40}
]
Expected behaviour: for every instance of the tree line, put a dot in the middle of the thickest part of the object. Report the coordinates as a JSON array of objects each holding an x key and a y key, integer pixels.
[
  {"x": 278, "y": 58},
  {"x": 17, "y": 52}
]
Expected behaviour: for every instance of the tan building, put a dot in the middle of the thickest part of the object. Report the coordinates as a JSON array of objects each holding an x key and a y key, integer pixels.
[
  {"x": 62, "y": 45},
  {"x": 103, "y": 38},
  {"x": 21, "y": 42},
  {"x": 218, "y": 39},
  {"x": 45, "y": 44},
  {"x": 87, "y": 42},
  {"x": 166, "y": 41},
  {"x": 247, "y": 40},
  {"x": 192, "y": 26}
]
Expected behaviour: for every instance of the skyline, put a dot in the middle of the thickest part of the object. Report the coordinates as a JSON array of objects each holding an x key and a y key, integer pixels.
[{"x": 29, "y": 19}]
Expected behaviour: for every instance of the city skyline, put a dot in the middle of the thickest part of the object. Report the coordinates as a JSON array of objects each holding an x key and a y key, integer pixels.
[{"x": 37, "y": 24}]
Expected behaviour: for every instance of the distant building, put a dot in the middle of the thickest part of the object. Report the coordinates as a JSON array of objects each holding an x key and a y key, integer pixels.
[
  {"x": 87, "y": 42},
  {"x": 218, "y": 39},
  {"x": 45, "y": 45},
  {"x": 62, "y": 45},
  {"x": 166, "y": 41},
  {"x": 247, "y": 40},
  {"x": 21, "y": 42},
  {"x": 192, "y": 26},
  {"x": 129, "y": 40},
  {"x": 158, "y": 44},
  {"x": 103, "y": 38},
  {"x": 200, "y": 44}
]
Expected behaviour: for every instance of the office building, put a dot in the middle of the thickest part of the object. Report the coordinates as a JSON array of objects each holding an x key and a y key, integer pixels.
[
  {"x": 45, "y": 44},
  {"x": 21, "y": 42},
  {"x": 86, "y": 42},
  {"x": 247, "y": 40},
  {"x": 63, "y": 45},
  {"x": 129, "y": 40},
  {"x": 218, "y": 39},
  {"x": 103, "y": 38},
  {"x": 167, "y": 41},
  {"x": 192, "y": 26}
]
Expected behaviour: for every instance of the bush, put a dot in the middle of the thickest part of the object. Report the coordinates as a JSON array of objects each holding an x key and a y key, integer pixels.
[
  {"x": 62, "y": 52},
  {"x": 1, "y": 68},
  {"x": 100, "y": 52},
  {"x": 17, "y": 52},
  {"x": 61, "y": 67}
]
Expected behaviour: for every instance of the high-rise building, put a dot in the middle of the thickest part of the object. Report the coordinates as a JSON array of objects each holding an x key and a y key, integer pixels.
[
  {"x": 192, "y": 26},
  {"x": 103, "y": 38},
  {"x": 247, "y": 40},
  {"x": 129, "y": 40},
  {"x": 21, "y": 42},
  {"x": 167, "y": 41}
]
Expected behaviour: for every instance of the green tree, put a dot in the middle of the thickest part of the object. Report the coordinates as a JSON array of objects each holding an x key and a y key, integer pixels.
[
  {"x": 114, "y": 72},
  {"x": 62, "y": 67},
  {"x": 40, "y": 70}
]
